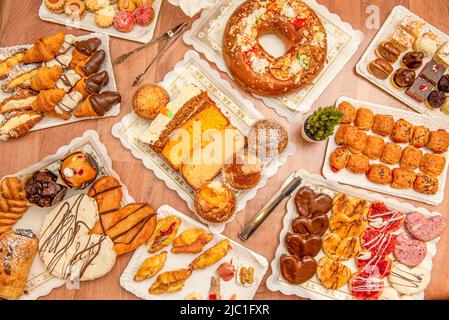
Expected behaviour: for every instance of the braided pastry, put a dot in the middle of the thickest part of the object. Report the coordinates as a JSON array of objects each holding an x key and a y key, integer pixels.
[{"x": 12, "y": 203}]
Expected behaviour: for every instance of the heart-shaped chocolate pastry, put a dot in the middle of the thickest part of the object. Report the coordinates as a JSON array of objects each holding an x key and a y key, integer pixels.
[
  {"x": 317, "y": 225},
  {"x": 303, "y": 245},
  {"x": 309, "y": 204},
  {"x": 425, "y": 229},
  {"x": 297, "y": 270}
]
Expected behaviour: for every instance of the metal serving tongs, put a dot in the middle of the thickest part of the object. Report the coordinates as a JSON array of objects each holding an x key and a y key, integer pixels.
[{"x": 166, "y": 36}]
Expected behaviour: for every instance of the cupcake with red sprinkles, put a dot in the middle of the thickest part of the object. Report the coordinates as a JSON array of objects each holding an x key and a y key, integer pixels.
[
  {"x": 124, "y": 21},
  {"x": 144, "y": 15}
]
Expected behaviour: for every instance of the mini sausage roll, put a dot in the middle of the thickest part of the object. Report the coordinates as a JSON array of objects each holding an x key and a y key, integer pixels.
[
  {"x": 339, "y": 159},
  {"x": 341, "y": 133},
  {"x": 349, "y": 112},
  {"x": 411, "y": 158},
  {"x": 432, "y": 164},
  {"x": 402, "y": 131},
  {"x": 403, "y": 178},
  {"x": 392, "y": 153},
  {"x": 383, "y": 125},
  {"x": 358, "y": 163},
  {"x": 379, "y": 173},
  {"x": 438, "y": 141},
  {"x": 425, "y": 184},
  {"x": 420, "y": 136},
  {"x": 364, "y": 119},
  {"x": 355, "y": 139},
  {"x": 374, "y": 147}
]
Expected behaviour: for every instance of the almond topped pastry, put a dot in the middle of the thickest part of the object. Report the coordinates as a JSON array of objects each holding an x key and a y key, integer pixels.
[{"x": 215, "y": 203}]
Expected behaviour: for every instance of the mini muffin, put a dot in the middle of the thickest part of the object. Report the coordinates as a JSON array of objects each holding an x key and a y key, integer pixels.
[
  {"x": 43, "y": 190},
  {"x": 215, "y": 203},
  {"x": 245, "y": 171},
  {"x": 339, "y": 159},
  {"x": 267, "y": 139},
  {"x": 78, "y": 170},
  {"x": 364, "y": 119},
  {"x": 355, "y": 139},
  {"x": 358, "y": 163},
  {"x": 380, "y": 174},
  {"x": 432, "y": 164},
  {"x": 403, "y": 178},
  {"x": 392, "y": 153},
  {"x": 149, "y": 100},
  {"x": 402, "y": 131},
  {"x": 349, "y": 112},
  {"x": 425, "y": 184},
  {"x": 438, "y": 141},
  {"x": 374, "y": 147},
  {"x": 341, "y": 133},
  {"x": 411, "y": 158},
  {"x": 383, "y": 125},
  {"x": 420, "y": 136}
]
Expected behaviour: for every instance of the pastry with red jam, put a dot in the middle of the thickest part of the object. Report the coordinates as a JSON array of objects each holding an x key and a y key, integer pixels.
[{"x": 79, "y": 170}]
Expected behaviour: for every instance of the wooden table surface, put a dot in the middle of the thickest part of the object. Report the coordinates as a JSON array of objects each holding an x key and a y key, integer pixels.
[{"x": 20, "y": 24}]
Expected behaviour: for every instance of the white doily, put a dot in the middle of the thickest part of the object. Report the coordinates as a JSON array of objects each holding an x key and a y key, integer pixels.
[{"x": 192, "y": 7}]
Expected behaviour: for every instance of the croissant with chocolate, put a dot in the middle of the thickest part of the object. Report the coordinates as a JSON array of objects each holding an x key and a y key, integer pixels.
[
  {"x": 83, "y": 50},
  {"x": 45, "y": 78},
  {"x": 92, "y": 65},
  {"x": 47, "y": 100},
  {"x": 44, "y": 49},
  {"x": 92, "y": 84},
  {"x": 96, "y": 105}
]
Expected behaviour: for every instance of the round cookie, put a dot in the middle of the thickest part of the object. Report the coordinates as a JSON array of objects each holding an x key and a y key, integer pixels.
[{"x": 149, "y": 100}]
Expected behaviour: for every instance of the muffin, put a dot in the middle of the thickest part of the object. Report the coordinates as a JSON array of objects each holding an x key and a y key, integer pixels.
[
  {"x": 267, "y": 139},
  {"x": 78, "y": 170},
  {"x": 43, "y": 190},
  {"x": 245, "y": 171},
  {"x": 215, "y": 203},
  {"x": 149, "y": 100}
]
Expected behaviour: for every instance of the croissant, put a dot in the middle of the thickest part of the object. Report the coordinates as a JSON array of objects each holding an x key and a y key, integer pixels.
[
  {"x": 44, "y": 49},
  {"x": 9, "y": 63},
  {"x": 83, "y": 50},
  {"x": 96, "y": 105},
  {"x": 47, "y": 100},
  {"x": 46, "y": 78},
  {"x": 92, "y": 84}
]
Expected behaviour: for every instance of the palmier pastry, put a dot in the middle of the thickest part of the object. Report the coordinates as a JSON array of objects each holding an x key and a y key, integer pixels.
[
  {"x": 380, "y": 174},
  {"x": 388, "y": 51},
  {"x": 78, "y": 170},
  {"x": 403, "y": 178},
  {"x": 420, "y": 137},
  {"x": 391, "y": 154},
  {"x": 332, "y": 274},
  {"x": 215, "y": 203},
  {"x": 411, "y": 158},
  {"x": 83, "y": 50},
  {"x": 364, "y": 119},
  {"x": 75, "y": 9},
  {"x": 340, "y": 249},
  {"x": 436, "y": 99},
  {"x": 310, "y": 204},
  {"x": 96, "y": 105},
  {"x": 91, "y": 65},
  {"x": 301, "y": 245},
  {"x": 425, "y": 184},
  {"x": 149, "y": 100},
  {"x": 244, "y": 172},
  {"x": 432, "y": 164},
  {"x": 380, "y": 68},
  {"x": 349, "y": 112},
  {"x": 12, "y": 203},
  {"x": 317, "y": 225},
  {"x": 374, "y": 147},
  {"x": 347, "y": 226},
  {"x": 267, "y": 138},
  {"x": 297, "y": 270},
  {"x": 349, "y": 206},
  {"x": 438, "y": 141},
  {"x": 355, "y": 139},
  {"x": 403, "y": 78},
  {"x": 358, "y": 163},
  {"x": 43, "y": 190},
  {"x": 402, "y": 131},
  {"x": 413, "y": 60},
  {"x": 339, "y": 159}
]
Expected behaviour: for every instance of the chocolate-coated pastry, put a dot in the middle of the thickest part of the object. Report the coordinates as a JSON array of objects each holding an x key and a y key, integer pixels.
[
  {"x": 303, "y": 245},
  {"x": 436, "y": 99},
  {"x": 94, "y": 64},
  {"x": 103, "y": 102},
  {"x": 296, "y": 270},
  {"x": 420, "y": 89},
  {"x": 388, "y": 51},
  {"x": 305, "y": 226},
  {"x": 96, "y": 82},
  {"x": 404, "y": 78},
  {"x": 413, "y": 59},
  {"x": 380, "y": 68},
  {"x": 42, "y": 189},
  {"x": 87, "y": 47},
  {"x": 433, "y": 71},
  {"x": 310, "y": 204},
  {"x": 443, "y": 84}
]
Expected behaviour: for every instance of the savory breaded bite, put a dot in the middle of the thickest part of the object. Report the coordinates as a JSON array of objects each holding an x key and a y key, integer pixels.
[
  {"x": 355, "y": 139},
  {"x": 432, "y": 164},
  {"x": 392, "y": 153},
  {"x": 374, "y": 147},
  {"x": 420, "y": 136},
  {"x": 438, "y": 141},
  {"x": 383, "y": 125},
  {"x": 341, "y": 134},
  {"x": 364, "y": 119},
  {"x": 338, "y": 159},
  {"x": 411, "y": 158},
  {"x": 403, "y": 178},
  {"x": 349, "y": 112},
  {"x": 402, "y": 131},
  {"x": 358, "y": 163},
  {"x": 379, "y": 173},
  {"x": 425, "y": 184}
]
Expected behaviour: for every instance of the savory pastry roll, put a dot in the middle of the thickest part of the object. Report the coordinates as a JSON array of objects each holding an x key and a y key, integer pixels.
[
  {"x": 392, "y": 153},
  {"x": 339, "y": 159},
  {"x": 403, "y": 178},
  {"x": 364, "y": 119},
  {"x": 355, "y": 139},
  {"x": 374, "y": 147},
  {"x": 402, "y": 131},
  {"x": 438, "y": 141},
  {"x": 383, "y": 125},
  {"x": 341, "y": 133},
  {"x": 349, "y": 112},
  {"x": 379, "y": 173},
  {"x": 420, "y": 136},
  {"x": 411, "y": 158},
  {"x": 425, "y": 184},
  {"x": 358, "y": 163},
  {"x": 432, "y": 164}
]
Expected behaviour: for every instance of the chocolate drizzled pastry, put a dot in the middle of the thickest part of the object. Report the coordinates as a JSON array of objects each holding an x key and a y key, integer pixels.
[
  {"x": 413, "y": 59},
  {"x": 103, "y": 102},
  {"x": 443, "y": 84},
  {"x": 388, "y": 51},
  {"x": 94, "y": 64},
  {"x": 87, "y": 47},
  {"x": 404, "y": 78},
  {"x": 436, "y": 99},
  {"x": 42, "y": 189},
  {"x": 96, "y": 82}
]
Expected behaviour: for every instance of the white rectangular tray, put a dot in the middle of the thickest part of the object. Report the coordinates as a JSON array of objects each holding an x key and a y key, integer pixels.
[
  {"x": 387, "y": 30},
  {"x": 240, "y": 111},
  {"x": 139, "y": 34},
  {"x": 313, "y": 289},
  {"x": 199, "y": 281},
  {"x": 347, "y": 177},
  {"x": 50, "y": 122},
  {"x": 40, "y": 283},
  {"x": 206, "y": 37}
]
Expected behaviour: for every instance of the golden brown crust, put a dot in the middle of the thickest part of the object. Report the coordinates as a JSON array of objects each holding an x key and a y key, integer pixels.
[
  {"x": 149, "y": 100},
  {"x": 358, "y": 163},
  {"x": 383, "y": 124},
  {"x": 392, "y": 153},
  {"x": 364, "y": 119},
  {"x": 402, "y": 131},
  {"x": 244, "y": 172},
  {"x": 374, "y": 147},
  {"x": 215, "y": 203},
  {"x": 403, "y": 178},
  {"x": 432, "y": 164},
  {"x": 438, "y": 141},
  {"x": 411, "y": 158},
  {"x": 379, "y": 173},
  {"x": 339, "y": 159},
  {"x": 349, "y": 112},
  {"x": 12, "y": 203},
  {"x": 425, "y": 184}
]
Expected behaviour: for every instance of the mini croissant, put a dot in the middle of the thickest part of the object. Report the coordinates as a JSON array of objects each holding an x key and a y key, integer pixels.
[
  {"x": 47, "y": 100},
  {"x": 44, "y": 49},
  {"x": 45, "y": 78},
  {"x": 96, "y": 105}
]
